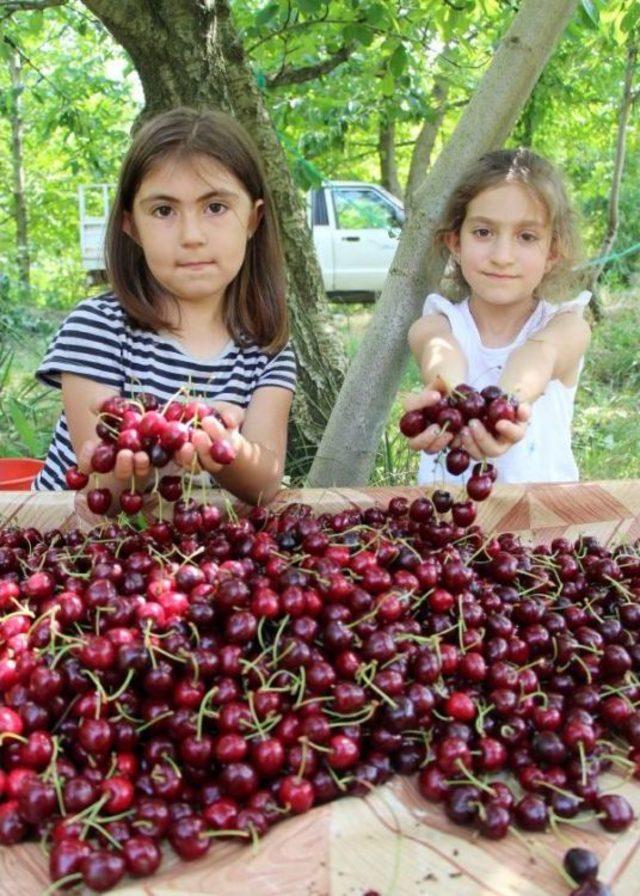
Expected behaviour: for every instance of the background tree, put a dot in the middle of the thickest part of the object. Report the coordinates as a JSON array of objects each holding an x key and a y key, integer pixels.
[
  {"x": 14, "y": 109},
  {"x": 613, "y": 216}
]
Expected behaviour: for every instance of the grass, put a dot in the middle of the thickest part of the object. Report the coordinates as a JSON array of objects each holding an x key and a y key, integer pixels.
[
  {"x": 606, "y": 425},
  {"x": 28, "y": 411}
]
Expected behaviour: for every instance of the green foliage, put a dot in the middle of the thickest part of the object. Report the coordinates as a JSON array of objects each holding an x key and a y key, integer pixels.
[
  {"x": 79, "y": 98},
  {"x": 607, "y": 428},
  {"x": 28, "y": 412},
  {"x": 77, "y": 104}
]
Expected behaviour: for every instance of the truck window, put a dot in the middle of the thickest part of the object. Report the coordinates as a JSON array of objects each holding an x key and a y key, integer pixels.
[
  {"x": 364, "y": 209},
  {"x": 319, "y": 214}
]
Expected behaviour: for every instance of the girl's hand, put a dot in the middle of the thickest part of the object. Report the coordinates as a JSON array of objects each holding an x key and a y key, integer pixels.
[
  {"x": 432, "y": 439},
  {"x": 232, "y": 414},
  {"x": 128, "y": 463},
  {"x": 197, "y": 451},
  {"x": 479, "y": 442}
]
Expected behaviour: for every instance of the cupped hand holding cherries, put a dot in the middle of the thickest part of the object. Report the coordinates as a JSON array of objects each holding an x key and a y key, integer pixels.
[
  {"x": 138, "y": 436},
  {"x": 463, "y": 422}
]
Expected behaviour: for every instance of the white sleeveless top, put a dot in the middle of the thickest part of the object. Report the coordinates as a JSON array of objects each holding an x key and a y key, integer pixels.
[{"x": 544, "y": 454}]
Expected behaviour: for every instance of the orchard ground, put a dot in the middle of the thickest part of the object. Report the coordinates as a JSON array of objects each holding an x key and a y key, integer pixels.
[{"x": 606, "y": 426}]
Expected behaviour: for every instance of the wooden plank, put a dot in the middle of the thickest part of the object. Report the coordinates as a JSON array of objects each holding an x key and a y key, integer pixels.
[{"x": 392, "y": 842}]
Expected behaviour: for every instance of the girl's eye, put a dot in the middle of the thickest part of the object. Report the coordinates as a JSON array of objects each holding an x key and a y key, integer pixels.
[
  {"x": 529, "y": 237},
  {"x": 217, "y": 208},
  {"x": 481, "y": 232},
  {"x": 162, "y": 211}
]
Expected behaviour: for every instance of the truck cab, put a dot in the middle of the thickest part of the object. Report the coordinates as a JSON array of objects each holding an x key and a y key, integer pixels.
[{"x": 355, "y": 229}]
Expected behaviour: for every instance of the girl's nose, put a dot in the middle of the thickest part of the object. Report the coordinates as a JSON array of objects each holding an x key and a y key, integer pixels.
[
  {"x": 191, "y": 230},
  {"x": 502, "y": 249}
]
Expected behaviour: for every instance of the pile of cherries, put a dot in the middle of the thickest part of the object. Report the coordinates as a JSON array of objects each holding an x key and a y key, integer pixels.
[
  {"x": 452, "y": 412},
  {"x": 205, "y": 677},
  {"x": 143, "y": 424}
]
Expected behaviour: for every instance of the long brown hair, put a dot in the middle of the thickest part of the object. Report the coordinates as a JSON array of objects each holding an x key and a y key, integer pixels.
[
  {"x": 254, "y": 305},
  {"x": 524, "y": 167}
]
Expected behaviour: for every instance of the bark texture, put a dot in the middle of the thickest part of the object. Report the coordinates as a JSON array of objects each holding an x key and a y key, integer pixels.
[
  {"x": 423, "y": 150},
  {"x": 387, "y": 154}
]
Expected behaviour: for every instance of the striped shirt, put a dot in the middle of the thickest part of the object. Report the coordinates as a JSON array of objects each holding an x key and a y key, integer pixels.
[{"x": 98, "y": 341}]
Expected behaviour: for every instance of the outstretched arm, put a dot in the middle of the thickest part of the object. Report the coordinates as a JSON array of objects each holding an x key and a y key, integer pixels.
[
  {"x": 553, "y": 353},
  {"x": 437, "y": 352}
]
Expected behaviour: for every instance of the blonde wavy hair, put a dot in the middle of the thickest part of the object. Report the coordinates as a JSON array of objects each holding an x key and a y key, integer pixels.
[{"x": 520, "y": 166}]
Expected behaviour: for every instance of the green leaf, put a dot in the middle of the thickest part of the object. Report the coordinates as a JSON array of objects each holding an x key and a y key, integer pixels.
[
  {"x": 388, "y": 83},
  {"x": 24, "y": 429},
  {"x": 35, "y": 23},
  {"x": 631, "y": 19},
  {"x": 358, "y": 34},
  {"x": 309, "y": 6},
  {"x": 265, "y": 15},
  {"x": 377, "y": 15},
  {"x": 398, "y": 60},
  {"x": 589, "y": 13}
]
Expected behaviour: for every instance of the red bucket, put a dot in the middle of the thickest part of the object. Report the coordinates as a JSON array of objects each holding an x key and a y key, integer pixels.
[{"x": 17, "y": 473}]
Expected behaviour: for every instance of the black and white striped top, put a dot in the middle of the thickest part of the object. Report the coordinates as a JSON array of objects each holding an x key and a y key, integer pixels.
[{"x": 99, "y": 342}]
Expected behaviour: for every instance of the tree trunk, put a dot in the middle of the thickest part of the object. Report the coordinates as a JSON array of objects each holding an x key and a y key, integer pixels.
[
  {"x": 621, "y": 141},
  {"x": 189, "y": 53},
  {"x": 17, "y": 169},
  {"x": 347, "y": 451},
  {"x": 387, "y": 154},
  {"x": 421, "y": 155}
]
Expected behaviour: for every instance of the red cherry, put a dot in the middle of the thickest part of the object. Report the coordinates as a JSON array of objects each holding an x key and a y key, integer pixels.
[
  {"x": 142, "y": 856},
  {"x": 457, "y": 461},
  {"x": 296, "y": 794},
  {"x": 479, "y": 487},
  {"x": 131, "y": 502},
  {"x": 103, "y": 459},
  {"x": 412, "y": 423},
  {"x": 222, "y": 452},
  {"x": 129, "y": 439},
  {"x": 99, "y": 500},
  {"x": 102, "y": 870},
  {"x": 499, "y": 409},
  {"x": 75, "y": 479}
]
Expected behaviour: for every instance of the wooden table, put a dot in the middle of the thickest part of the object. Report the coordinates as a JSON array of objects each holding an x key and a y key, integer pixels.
[{"x": 392, "y": 841}]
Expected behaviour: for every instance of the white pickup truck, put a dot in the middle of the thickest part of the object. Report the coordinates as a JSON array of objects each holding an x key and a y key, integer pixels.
[{"x": 355, "y": 232}]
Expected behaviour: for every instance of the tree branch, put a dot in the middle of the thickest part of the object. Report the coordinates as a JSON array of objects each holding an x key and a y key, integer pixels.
[
  {"x": 289, "y": 74},
  {"x": 614, "y": 195},
  {"x": 41, "y": 75},
  {"x": 8, "y": 7},
  {"x": 421, "y": 156}
]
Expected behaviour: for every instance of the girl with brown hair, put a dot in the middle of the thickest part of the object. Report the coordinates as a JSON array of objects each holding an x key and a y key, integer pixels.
[{"x": 197, "y": 303}]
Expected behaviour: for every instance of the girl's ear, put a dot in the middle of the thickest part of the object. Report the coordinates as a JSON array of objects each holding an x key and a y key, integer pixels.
[
  {"x": 553, "y": 257},
  {"x": 452, "y": 242},
  {"x": 128, "y": 226},
  {"x": 256, "y": 216}
]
